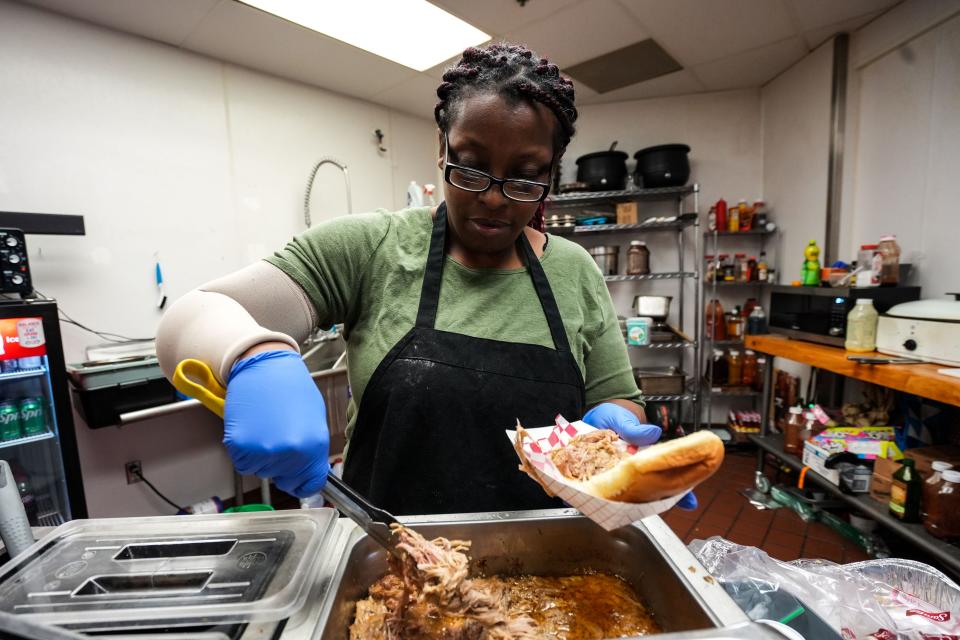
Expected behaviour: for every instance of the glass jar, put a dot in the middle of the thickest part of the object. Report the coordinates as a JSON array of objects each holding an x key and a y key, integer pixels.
[
  {"x": 862, "y": 327},
  {"x": 727, "y": 268},
  {"x": 718, "y": 368},
  {"x": 638, "y": 258},
  {"x": 889, "y": 252},
  {"x": 742, "y": 271},
  {"x": 735, "y": 325},
  {"x": 749, "y": 373},
  {"x": 943, "y": 512},
  {"x": 930, "y": 487},
  {"x": 792, "y": 440},
  {"x": 757, "y": 322},
  {"x": 734, "y": 368},
  {"x": 761, "y": 372}
]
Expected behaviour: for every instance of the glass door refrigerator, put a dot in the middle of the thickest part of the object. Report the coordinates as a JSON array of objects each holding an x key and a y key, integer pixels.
[{"x": 37, "y": 433}]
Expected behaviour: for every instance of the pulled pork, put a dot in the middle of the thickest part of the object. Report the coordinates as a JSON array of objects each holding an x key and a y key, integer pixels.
[
  {"x": 588, "y": 454},
  {"x": 429, "y": 595}
]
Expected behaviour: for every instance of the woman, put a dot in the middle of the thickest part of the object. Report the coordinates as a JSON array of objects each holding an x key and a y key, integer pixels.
[{"x": 459, "y": 319}]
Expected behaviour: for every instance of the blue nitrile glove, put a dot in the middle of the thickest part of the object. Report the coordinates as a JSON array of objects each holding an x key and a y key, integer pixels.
[
  {"x": 275, "y": 422},
  {"x": 627, "y": 425}
]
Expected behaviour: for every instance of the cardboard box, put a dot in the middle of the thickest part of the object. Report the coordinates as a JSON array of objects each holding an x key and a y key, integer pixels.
[
  {"x": 867, "y": 443},
  {"x": 880, "y": 483},
  {"x": 925, "y": 457},
  {"x": 816, "y": 457},
  {"x": 627, "y": 213}
]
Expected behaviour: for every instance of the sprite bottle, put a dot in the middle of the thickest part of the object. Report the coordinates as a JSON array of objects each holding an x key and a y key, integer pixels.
[
  {"x": 9, "y": 421},
  {"x": 32, "y": 420}
]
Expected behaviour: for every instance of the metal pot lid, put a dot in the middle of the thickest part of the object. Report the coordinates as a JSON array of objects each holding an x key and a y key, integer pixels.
[
  {"x": 609, "y": 155},
  {"x": 662, "y": 147}
]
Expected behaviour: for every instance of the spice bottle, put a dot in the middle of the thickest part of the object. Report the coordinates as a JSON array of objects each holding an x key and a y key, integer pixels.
[
  {"x": 943, "y": 513},
  {"x": 638, "y": 258},
  {"x": 905, "y": 493},
  {"x": 792, "y": 441},
  {"x": 862, "y": 327},
  {"x": 930, "y": 487}
]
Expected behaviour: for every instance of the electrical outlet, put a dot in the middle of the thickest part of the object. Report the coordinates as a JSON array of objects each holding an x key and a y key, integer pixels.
[{"x": 134, "y": 470}]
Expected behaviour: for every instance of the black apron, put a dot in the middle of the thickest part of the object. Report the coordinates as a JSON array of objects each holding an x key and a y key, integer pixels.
[{"x": 429, "y": 436}]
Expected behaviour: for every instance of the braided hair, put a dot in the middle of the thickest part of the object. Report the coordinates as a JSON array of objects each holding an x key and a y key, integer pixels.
[{"x": 516, "y": 73}]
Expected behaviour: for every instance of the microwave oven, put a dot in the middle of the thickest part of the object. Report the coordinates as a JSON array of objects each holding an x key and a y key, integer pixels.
[{"x": 819, "y": 314}]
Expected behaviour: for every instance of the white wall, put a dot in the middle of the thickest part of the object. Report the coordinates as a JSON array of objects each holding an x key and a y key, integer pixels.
[
  {"x": 170, "y": 152},
  {"x": 796, "y": 148},
  {"x": 903, "y": 162}
]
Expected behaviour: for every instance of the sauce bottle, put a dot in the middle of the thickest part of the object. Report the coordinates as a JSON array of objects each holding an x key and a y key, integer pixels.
[
  {"x": 762, "y": 267},
  {"x": 733, "y": 218},
  {"x": 862, "y": 327},
  {"x": 721, "y": 214},
  {"x": 792, "y": 440},
  {"x": 748, "y": 375},
  {"x": 905, "y": 493},
  {"x": 943, "y": 517},
  {"x": 734, "y": 368}
]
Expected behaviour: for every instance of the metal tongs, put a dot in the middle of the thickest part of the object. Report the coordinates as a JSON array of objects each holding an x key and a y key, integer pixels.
[
  {"x": 373, "y": 520},
  {"x": 195, "y": 379}
]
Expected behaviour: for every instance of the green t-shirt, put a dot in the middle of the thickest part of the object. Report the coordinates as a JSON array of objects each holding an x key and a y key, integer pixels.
[{"x": 365, "y": 271}]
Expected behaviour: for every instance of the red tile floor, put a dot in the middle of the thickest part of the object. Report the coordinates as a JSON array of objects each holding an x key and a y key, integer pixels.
[{"x": 780, "y": 532}]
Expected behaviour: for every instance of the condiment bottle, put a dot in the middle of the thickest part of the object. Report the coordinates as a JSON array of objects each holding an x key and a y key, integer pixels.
[
  {"x": 718, "y": 368},
  {"x": 742, "y": 272},
  {"x": 862, "y": 327},
  {"x": 733, "y": 218},
  {"x": 726, "y": 267},
  {"x": 889, "y": 252},
  {"x": 638, "y": 258},
  {"x": 735, "y": 325},
  {"x": 905, "y": 493},
  {"x": 712, "y": 219},
  {"x": 930, "y": 487},
  {"x": 715, "y": 324},
  {"x": 721, "y": 214},
  {"x": 792, "y": 440},
  {"x": 761, "y": 372},
  {"x": 746, "y": 216},
  {"x": 757, "y": 322},
  {"x": 943, "y": 517},
  {"x": 752, "y": 269},
  {"x": 711, "y": 268},
  {"x": 762, "y": 267},
  {"x": 734, "y": 368},
  {"x": 749, "y": 372}
]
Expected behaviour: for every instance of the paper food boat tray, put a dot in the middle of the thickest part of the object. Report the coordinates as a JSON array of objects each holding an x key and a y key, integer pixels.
[{"x": 607, "y": 513}]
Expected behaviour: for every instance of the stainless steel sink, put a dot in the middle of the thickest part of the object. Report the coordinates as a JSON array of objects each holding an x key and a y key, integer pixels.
[{"x": 553, "y": 542}]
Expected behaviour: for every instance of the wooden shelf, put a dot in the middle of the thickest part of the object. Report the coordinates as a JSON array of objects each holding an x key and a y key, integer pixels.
[{"x": 918, "y": 379}]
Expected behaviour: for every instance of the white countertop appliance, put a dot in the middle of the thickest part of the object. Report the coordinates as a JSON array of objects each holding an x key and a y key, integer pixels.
[{"x": 925, "y": 329}]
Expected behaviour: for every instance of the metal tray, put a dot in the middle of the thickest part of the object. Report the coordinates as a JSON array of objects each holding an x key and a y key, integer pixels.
[
  {"x": 647, "y": 555},
  {"x": 137, "y": 573}
]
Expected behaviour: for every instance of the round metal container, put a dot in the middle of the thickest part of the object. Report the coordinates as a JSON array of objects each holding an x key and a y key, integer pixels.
[{"x": 607, "y": 258}]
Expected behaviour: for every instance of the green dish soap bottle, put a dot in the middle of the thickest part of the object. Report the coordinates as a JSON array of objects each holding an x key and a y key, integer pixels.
[
  {"x": 905, "y": 492},
  {"x": 811, "y": 266}
]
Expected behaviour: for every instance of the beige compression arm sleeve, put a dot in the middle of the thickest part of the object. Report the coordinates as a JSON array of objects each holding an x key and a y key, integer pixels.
[{"x": 219, "y": 321}]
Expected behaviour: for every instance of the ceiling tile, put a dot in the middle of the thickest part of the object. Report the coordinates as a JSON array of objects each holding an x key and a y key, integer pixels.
[
  {"x": 241, "y": 34},
  {"x": 816, "y": 14},
  {"x": 169, "y": 21},
  {"x": 438, "y": 71},
  {"x": 416, "y": 96},
  {"x": 816, "y": 37},
  {"x": 672, "y": 84},
  {"x": 580, "y": 32},
  {"x": 694, "y": 31},
  {"x": 500, "y": 16},
  {"x": 752, "y": 68}
]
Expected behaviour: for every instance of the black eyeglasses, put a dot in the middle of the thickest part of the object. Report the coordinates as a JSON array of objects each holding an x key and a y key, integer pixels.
[{"x": 477, "y": 181}]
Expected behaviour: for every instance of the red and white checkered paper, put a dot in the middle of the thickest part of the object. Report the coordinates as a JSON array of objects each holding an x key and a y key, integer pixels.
[{"x": 607, "y": 513}]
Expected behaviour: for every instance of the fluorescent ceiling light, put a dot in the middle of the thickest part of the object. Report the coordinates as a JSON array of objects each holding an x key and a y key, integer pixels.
[{"x": 413, "y": 33}]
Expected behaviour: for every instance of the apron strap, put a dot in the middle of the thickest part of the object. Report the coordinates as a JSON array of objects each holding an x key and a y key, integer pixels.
[
  {"x": 545, "y": 293},
  {"x": 433, "y": 274}
]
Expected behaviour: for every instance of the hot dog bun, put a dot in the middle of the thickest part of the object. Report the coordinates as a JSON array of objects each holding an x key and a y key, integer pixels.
[{"x": 661, "y": 471}]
